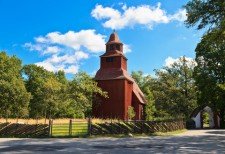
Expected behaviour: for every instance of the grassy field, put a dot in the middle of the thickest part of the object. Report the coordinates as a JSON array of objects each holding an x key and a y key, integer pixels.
[
  {"x": 79, "y": 128},
  {"x": 60, "y": 127},
  {"x": 56, "y": 121},
  {"x": 172, "y": 133},
  {"x": 33, "y": 121}
]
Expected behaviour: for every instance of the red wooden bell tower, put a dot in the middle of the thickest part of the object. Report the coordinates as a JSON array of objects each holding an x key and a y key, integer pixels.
[{"x": 122, "y": 89}]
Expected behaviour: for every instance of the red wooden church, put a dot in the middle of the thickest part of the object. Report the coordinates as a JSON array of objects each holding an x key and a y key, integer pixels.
[{"x": 122, "y": 89}]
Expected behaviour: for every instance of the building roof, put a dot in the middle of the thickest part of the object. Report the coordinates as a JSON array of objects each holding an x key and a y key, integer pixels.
[
  {"x": 113, "y": 54},
  {"x": 112, "y": 73},
  {"x": 114, "y": 38},
  {"x": 139, "y": 94},
  {"x": 115, "y": 74}
]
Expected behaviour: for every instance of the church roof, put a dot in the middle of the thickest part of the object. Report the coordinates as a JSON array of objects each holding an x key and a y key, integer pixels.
[
  {"x": 116, "y": 73},
  {"x": 114, "y": 38},
  {"x": 113, "y": 54},
  {"x": 139, "y": 94},
  {"x": 112, "y": 73}
]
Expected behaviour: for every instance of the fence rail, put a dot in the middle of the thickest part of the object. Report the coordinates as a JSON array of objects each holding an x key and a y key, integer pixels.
[
  {"x": 23, "y": 130},
  {"x": 136, "y": 127},
  {"x": 84, "y": 127}
]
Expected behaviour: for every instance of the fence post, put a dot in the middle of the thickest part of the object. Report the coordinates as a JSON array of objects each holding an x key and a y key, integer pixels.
[
  {"x": 50, "y": 127},
  {"x": 70, "y": 128},
  {"x": 142, "y": 126},
  {"x": 89, "y": 126}
]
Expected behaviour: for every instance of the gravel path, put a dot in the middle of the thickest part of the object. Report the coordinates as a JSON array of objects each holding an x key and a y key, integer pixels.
[{"x": 193, "y": 141}]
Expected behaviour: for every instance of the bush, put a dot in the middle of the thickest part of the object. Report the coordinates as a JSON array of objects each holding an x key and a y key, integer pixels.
[{"x": 131, "y": 113}]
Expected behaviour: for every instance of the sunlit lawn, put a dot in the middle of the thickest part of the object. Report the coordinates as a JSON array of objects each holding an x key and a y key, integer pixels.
[{"x": 78, "y": 129}]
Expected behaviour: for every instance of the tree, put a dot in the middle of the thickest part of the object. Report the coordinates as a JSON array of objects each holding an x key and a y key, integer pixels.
[
  {"x": 145, "y": 84},
  {"x": 209, "y": 73},
  {"x": 205, "y": 13},
  {"x": 175, "y": 90},
  {"x": 14, "y": 97},
  {"x": 52, "y": 99},
  {"x": 45, "y": 89},
  {"x": 82, "y": 90}
]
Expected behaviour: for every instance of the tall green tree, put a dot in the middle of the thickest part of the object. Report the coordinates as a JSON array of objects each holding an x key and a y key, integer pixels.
[
  {"x": 45, "y": 89},
  {"x": 175, "y": 89},
  {"x": 209, "y": 73},
  {"x": 82, "y": 90},
  {"x": 14, "y": 97}
]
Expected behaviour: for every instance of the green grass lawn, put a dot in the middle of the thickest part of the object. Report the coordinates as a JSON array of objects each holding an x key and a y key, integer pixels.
[
  {"x": 78, "y": 129},
  {"x": 172, "y": 133}
]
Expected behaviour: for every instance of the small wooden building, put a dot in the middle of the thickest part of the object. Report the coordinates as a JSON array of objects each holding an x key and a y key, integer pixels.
[{"x": 122, "y": 89}]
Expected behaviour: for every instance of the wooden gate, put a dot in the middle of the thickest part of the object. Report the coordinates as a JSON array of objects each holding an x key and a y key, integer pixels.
[{"x": 72, "y": 128}]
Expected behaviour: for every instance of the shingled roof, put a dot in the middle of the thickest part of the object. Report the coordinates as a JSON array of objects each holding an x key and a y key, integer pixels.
[
  {"x": 113, "y": 54},
  {"x": 114, "y": 38},
  {"x": 115, "y": 74}
]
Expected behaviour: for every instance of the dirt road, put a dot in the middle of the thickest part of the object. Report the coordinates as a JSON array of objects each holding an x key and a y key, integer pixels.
[{"x": 194, "y": 141}]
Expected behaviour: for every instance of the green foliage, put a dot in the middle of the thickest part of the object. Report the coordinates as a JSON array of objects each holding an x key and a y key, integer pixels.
[
  {"x": 82, "y": 90},
  {"x": 172, "y": 93},
  {"x": 205, "y": 13},
  {"x": 145, "y": 83},
  {"x": 175, "y": 89},
  {"x": 14, "y": 97},
  {"x": 54, "y": 96},
  {"x": 130, "y": 112},
  {"x": 45, "y": 89},
  {"x": 210, "y": 73},
  {"x": 205, "y": 119},
  {"x": 150, "y": 107}
]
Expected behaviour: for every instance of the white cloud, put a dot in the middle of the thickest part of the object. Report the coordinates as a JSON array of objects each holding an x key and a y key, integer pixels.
[
  {"x": 69, "y": 63},
  {"x": 105, "y": 12},
  {"x": 130, "y": 16},
  {"x": 32, "y": 47},
  {"x": 170, "y": 61},
  {"x": 126, "y": 48},
  {"x": 181, "y": 15},
  {"x": 73, "y": 69},
  {"x": 66, "y": 51},
  {"x": 42, "y": 48},
  {"x": 51, "y": 50},
  {"x": 75, "y": 40}
]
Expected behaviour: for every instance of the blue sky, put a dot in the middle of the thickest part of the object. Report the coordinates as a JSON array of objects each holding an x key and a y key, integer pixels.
[{"x": 70, "y": 35}]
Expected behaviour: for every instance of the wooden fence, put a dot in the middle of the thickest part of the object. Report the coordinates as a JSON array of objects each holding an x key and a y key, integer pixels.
[
  {"x": 136, "y": 127},
  {"x": 85, "y": 127},
  {"x": 70, "y": 128},
  {"x": 23, "y": 130}
]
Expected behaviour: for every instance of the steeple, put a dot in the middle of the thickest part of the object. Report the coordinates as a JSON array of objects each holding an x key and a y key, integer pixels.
[
  {"x": 114, "y": 43},
  {"x": 113, "y": 78},
  {"x": 114, "y": 38}
]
